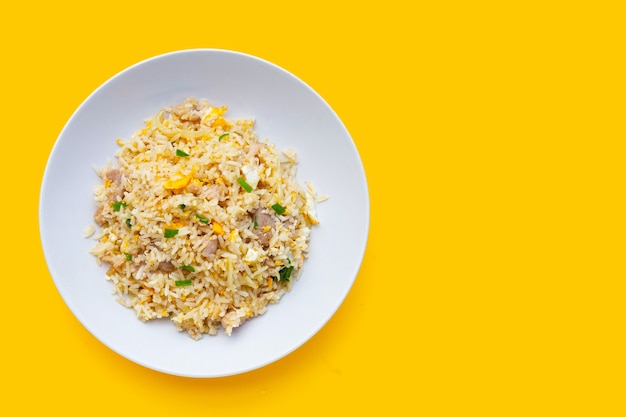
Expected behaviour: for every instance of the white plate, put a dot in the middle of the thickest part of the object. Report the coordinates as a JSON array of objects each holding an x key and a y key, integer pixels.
[{"x": 288, "y": 113}]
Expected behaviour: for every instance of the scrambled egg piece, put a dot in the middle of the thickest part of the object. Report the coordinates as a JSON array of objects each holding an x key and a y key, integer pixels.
[{"x": 178, "y": 184}]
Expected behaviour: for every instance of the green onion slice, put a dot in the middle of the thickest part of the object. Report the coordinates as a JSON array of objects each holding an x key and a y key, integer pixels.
[
  {"x": 256, "y": 225},
  {"x": 183, "y": 282},
  {"x": 181, "y": 153},
  {"x": 222, "y": 137},
  {"x": 128, "y": 256},
  {"x": 170, "y": 233},
  {"x": 182, "y": 206},
  {"x": 285, "y": 273},
  {"x": 118, "y": 205},
  {"x": 244, "y": 184},
  {"x": 188, "y": 268},
  {"x": 278, "y": 208},
  {"x": 202, "y": 219},
  {"x": 128, "y": 223}
]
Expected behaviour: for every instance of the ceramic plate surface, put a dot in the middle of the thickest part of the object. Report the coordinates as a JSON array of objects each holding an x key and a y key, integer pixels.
[{"x": 289, "y": 114}]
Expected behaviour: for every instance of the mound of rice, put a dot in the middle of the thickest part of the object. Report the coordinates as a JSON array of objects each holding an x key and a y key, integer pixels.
[{"x": 200, "y": 221}]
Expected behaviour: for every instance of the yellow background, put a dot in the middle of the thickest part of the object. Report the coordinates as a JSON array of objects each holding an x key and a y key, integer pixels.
[{"x": 492, "y": 135}]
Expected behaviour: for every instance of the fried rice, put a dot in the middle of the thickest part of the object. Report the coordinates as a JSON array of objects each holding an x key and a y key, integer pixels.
[{"x": 199, "y": 221}]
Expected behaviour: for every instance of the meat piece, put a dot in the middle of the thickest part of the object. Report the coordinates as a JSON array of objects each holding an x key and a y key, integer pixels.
[
  {"x": 98, "y": 216},
  {"x": 187, "y": 111},
  {"x": 182, "y": 108},
  {"x": 193, "y": 188},
  {"x": 264, "y": 227},
  {"x": 254, "y": 149},
  {"x": 214, "y": 191},
  {"x": 263, "y": 219},
  {"x": 116, "y": 261},
  {"x": 114, "y": 175},
  {"x": 210, "y": 248},
  {"x": 166, "y": 266},
  {"x": 115, "y": 178}
]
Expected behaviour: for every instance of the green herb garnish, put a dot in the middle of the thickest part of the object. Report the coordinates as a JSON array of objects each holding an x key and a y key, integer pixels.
[
  {"x": 170, "y": 233},
  {"x": 128, "y": 223},
  {"x": 188, "y": 268},
  {"x": 128, "y": 256},
  {"x": 183, "y": 283},
  {"x": 285, "y": 273},
  {"x": 181, "y": 153},
  {"x": 256, "y": 225},
  {"x": 182, "y": 206},
  {"x": 222, "y": 137},
  {"x": 278, "y": 208},
  {"x": 244, "y": 184},
  {"x": 118, "y": 205},
  {"x": 202, "y": 219}
]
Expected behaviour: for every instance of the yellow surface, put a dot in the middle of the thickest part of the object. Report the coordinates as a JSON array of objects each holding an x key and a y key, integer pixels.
[{"x": 492, "y": 135}]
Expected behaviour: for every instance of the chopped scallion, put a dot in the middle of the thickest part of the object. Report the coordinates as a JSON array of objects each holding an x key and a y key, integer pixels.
[
  {"x": 244, "y": 184},
  {"x": 188, "y": 268},
  {"x": 182, "y": 206},
  {"x": 128, "y": 223},
  {"x": 278, "y": 208},
  {"x": 183, "y": 282},
  {"x": 128, "y": 256},
  {"x": 170, "y": 232},
  {"x": 285, "y": 273},
  {"x": 256, "y": 225},
  {"x": 202, "y": 219},
  {"x": 118, "y": 205},
  {"x": 222, "y": 137},
  {"x": 181, "y": 153}
]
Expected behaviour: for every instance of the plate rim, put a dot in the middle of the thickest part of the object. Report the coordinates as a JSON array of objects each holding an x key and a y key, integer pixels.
[{"x": 67, "y": 298}]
